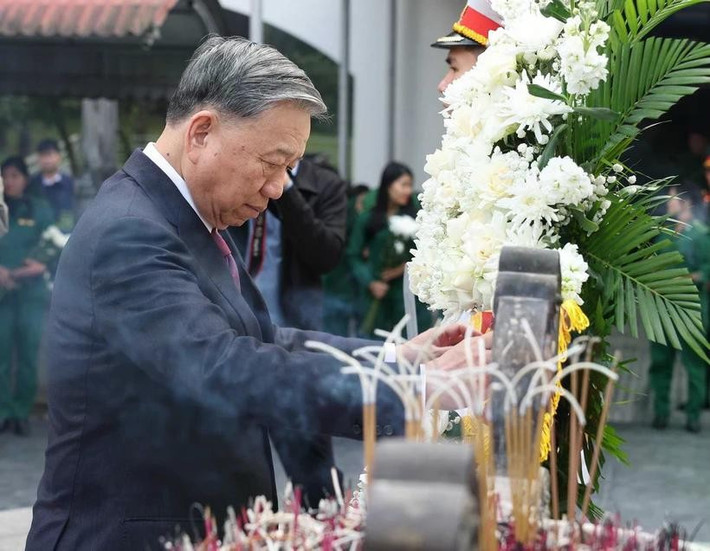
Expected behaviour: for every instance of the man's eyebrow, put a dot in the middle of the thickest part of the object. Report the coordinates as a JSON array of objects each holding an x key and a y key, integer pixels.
[{"x": 281, "y": 151}]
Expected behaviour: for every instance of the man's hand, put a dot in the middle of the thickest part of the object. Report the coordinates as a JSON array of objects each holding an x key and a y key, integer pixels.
[
  {"x": 433, "y": 342},
  {"x": 378, "y": 289},
  {"x": 455, "y": 356},
  {"x": 6, "y": 281}
]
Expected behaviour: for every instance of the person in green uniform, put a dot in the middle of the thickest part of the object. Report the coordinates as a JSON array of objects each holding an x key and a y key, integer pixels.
[
  {"x": 23, "y": 297},
  {"x": 380, "y": 281},
  {"x": 693, "y": 242},
  {"x": 339, "y": 289}
]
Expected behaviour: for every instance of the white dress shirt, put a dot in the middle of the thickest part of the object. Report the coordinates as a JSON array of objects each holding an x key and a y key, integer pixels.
[{"x": 162, "y": 163}]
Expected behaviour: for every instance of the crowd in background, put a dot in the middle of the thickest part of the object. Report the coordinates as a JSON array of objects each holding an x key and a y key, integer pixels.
[
  {"x": 327, "y": 255},
  {"x": 35, "y": 203}
]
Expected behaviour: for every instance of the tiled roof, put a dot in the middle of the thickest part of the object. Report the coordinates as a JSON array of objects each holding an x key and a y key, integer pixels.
[{"x": 82, "y": 18}]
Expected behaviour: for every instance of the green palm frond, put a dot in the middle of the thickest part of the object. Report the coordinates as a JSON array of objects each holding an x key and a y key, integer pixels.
[
  {"x": 643, "y": 276},
  {"x": 635, "y": 19},
  {"x": 645, "y": 80}
]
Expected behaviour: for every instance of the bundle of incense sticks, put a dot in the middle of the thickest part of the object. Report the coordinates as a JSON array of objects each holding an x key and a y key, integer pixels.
[
  {"x": 332, "y": 527},
  {"x": 514, "y": 521}
]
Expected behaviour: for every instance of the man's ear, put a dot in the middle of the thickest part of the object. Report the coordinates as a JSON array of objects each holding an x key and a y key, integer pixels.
[{"x": 201, "y": 128}]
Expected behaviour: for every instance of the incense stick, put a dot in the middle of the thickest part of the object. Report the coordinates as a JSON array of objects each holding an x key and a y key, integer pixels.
[
  {"x": 369, "y": 432},
  {"x": 608, "y": 391},
  {"x": 572, "y": 463},
  {"x": 553, "y": 471}
]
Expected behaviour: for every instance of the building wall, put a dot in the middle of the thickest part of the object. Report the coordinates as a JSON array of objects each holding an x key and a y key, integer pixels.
[
  {"x": 417, "y": 127},
  {"x": 418, "y": 124}
]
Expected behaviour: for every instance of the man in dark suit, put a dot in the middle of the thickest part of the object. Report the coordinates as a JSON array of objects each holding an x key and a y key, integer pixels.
[{"x": 164, "y": 369}]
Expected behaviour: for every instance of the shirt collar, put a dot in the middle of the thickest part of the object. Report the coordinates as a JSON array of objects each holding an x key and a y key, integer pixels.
[
  {"x": 51, "y": 180},
  {"x": 154, "y": 155}
]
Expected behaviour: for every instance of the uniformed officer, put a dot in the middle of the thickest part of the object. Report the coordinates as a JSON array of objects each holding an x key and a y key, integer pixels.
[
  {"x": 467, "y": 40},
  {"x": 693, "y": 242},
  {"x": 23, "y": 297}
]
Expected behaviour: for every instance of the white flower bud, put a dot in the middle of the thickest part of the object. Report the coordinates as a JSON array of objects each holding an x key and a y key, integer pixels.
[
  {"x": 632, "y": 179},
  {"x": 611, "y": 179},
  {"x": 617, "y": 167}
]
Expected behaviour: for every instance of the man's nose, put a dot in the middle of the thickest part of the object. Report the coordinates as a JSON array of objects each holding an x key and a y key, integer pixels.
[
  {"x": 274, "y": 187},
  {"x": 448, "y": 78}
]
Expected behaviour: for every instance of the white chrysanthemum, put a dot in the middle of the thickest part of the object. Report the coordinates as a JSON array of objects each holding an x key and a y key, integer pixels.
[
  {"x": 562, "y": 181},
  {"x": 574, "y": 272},
  {"x": 462, "y": 91},
  {"x": 531, "y": 113},
  {"x": 534, "y": 35},
  {"x": 496, "y": 67},
  {"x": 526, "y": 204},
  {"x": 403, "y": 226},
  {"x": 441, "y": 159},
  {"x": 496, "y": 178}
]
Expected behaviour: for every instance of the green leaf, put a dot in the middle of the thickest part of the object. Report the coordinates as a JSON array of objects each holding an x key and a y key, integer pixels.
[
  {"x": 557, "y": 10},
  {"x": 551, "y": 146},
  {"x": 642, "y": 276},
  {"x": 635, "y": 19},
  {"x": 585, "y": 223},
  {"x": 646, "y": 78},
  {"x": 542, "y": 92},
  {"x": 601, "y": 113}
]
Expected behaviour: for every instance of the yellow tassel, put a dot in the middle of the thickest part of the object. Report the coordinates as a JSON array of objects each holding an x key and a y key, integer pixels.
[{"x": 572, "y": 318}]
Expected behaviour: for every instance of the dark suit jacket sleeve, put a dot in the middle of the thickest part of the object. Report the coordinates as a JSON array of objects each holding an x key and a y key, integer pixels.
[
  {"x": 149, "y": 306},
  {"x": 317, "y": 237}
]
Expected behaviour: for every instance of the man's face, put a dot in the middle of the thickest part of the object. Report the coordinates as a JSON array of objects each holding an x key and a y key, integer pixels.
[
  {"x": 459, "y": 60},
  {"x": 238, "y": 165},
  {"x": 49, "y": 161}
]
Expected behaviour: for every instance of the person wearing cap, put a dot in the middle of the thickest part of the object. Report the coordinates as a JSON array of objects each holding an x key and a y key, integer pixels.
[
  {"x": 56, "y": 187},
  {"x": 467, "y": 40}
]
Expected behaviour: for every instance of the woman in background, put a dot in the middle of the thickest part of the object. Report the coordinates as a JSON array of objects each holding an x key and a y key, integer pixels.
[
  {"x": 379, "y": 248},
  {"x": 23, "y": 297}
]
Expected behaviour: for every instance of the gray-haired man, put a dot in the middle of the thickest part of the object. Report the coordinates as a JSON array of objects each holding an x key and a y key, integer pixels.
[{"x": 164, "y": 369}]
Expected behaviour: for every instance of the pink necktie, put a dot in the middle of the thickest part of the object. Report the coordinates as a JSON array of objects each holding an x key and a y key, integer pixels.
[{"x": 224, "y": 249}]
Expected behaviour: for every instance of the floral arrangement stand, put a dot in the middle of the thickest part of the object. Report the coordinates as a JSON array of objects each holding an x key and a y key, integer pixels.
[{"x": 527, "y": 313}]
